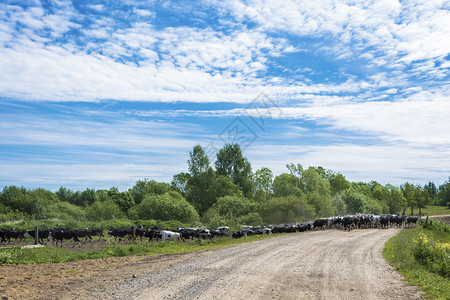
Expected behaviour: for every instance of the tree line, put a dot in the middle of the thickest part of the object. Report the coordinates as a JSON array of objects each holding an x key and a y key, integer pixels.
[{"x": 230, "y": 193}]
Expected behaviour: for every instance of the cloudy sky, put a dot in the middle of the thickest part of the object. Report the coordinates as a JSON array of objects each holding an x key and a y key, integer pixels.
[{"x": 103, "y": 93}]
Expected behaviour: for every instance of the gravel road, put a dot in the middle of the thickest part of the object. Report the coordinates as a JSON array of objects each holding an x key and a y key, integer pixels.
[{"x": 330, "y": 264}]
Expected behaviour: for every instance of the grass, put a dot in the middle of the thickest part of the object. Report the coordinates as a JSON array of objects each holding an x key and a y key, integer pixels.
[
  {"x": 433, "y": 211},
  {"x": 16, "y": 255},
  {"x": 400, "y": 252}
]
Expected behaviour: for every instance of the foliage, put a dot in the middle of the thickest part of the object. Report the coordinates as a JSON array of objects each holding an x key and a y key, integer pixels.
[
  {"x": 285, "y": 210},
  {"x": 170, "y": 206},
  {"x": 402, "y": 251},
  {"x": 104, "y": 210}
]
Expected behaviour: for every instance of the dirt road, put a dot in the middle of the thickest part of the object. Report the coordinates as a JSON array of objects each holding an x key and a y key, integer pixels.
[{"x": 330, "y": 264}]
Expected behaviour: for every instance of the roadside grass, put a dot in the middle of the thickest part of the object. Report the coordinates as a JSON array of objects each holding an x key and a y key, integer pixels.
[
  {"x": 433, "y": 211},
  {"x": 422, "y": 256},
  {"x": 17, "y": 255}
]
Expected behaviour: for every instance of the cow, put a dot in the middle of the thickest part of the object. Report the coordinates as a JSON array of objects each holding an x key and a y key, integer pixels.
[
  {"x": 169, "y": 235},
  {"x": 320, "y": 223},
  {"x": 120, "y": 233},
  {"x": 96, "y": 232},
  {"x": 60, "y": 234},
  {"x": 15, "y": 234},
  {"x": 42, "y": 235},
  {"x": 2, "y": 235},
  {"x": 409, "y": 221}
]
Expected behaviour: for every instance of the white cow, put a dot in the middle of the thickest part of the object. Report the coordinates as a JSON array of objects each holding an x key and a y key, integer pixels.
[{"x": 169, "y": 235}]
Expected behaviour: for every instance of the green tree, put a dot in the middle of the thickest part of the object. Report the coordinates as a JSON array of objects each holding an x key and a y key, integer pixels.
[
  {"x": 148, "y": 187},
  {"x": 286, "y": 209},
  {"x": 263, "y": 182},
  {"x": 355, "y": 201},
  {"x": 231, "y": 162},
  {"x": 317, "y": 191},
  {"x": 444, "y": 193},
  {"x": 338, "y": 183},
  {"x": 232, "y": 206},
  {"x": 409, "y": 192},
  {"x": 104, "y": 210},
  {"x": 432, "y": 191},
  {"x": 180, "y": 183},
  {"x": 198, "y": 162},
  {"x": 396, "y": 202},
  {"x": 167, "y": 207},
  {"x": 286, "y": 185}
]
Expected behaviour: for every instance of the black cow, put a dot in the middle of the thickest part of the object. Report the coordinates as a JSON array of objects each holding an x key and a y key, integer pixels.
[
  {"x": 15, "y": 234},
  {"x": 320, "y": 223},
  {"x": 120, "y": 233},
  {"x": 2, "y": 235},
  {"x": 42, "y": 235},
  {"x": 60, "y": 234},
  {"x": 409, "y": 221}
]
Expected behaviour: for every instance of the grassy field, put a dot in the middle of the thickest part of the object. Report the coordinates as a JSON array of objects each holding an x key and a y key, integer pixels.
[
  {"x": 433, "y": 211},
  {"x": 422, "y": 256},
  {"x": 13, "y": 255}
]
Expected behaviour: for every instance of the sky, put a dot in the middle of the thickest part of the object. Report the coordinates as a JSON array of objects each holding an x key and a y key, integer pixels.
[{"x": 100, "y": 94}]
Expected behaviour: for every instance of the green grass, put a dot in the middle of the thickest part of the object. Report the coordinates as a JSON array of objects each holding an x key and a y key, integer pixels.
[
  {"x": 399, "y": 251},
  {"x": 433, "y": 211},
  {"x": 55, "y": 255}
]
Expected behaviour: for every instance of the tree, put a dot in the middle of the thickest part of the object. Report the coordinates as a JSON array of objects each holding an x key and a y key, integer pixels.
[
  {"x": 232, "y": 206},
  {"x": 171, "y": 206},
  {"x": 286, "y": 209},
  {"x": 286, "y": 185},
  {"x": 180, "y": 183},
  {"x": 355, "y": 201},
  {"x": 231, "y": 162},
  {"x": 198, "y": 162},
  {"x": 338, "y": 183},
  {"x": 409, "y": 192},
  {"x": 432, "y": 191},
  {"x": 444, "y": 193},
  {"x": 263, "y": 182},
  {"x": 396, "y": 201},
  {"x": 422, "y": 198},
  {"x": 317, "y": 191},
  {"x": 148, "y": 187}
]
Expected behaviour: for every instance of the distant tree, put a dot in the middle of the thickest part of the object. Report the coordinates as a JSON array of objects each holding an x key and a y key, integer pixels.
[
  {"x": 432, "y": 191},
  {"x": 231, "y": 162},
  {"x": 104, "y": 210},
  {"x": 232, "y": 206},
  {"x": 167, "y": 207},
  {"x": 263, "y": 182},
  {"x": 338, "y": 183},
  {"x": 355, "y": 201},
  {"x": 409, "y": 192},
  {"x": 198, "y": 162},
  {"x": 286, "y": 209},
  {"x": 444, "y": 193},
  {"x": 180, "y": 183},
  {"x": 286, "y": 185},
  {"x": 396, "y": 202},
  {"x": 148, "y": 187}
]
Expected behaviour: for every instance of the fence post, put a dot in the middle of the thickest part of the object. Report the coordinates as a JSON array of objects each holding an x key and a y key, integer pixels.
[{"x": 36, "y": 235}]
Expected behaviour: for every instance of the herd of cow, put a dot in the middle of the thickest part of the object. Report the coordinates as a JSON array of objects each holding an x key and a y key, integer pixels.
[{"x": 58, "y": 235}]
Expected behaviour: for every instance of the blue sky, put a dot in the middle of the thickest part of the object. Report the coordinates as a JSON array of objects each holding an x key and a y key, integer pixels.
[{"x": 104, "y": 93}]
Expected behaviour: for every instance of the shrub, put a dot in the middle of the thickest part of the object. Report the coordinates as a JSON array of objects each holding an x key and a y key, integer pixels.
[
  {"x": 433, "y": 255},
  {"x": 167, "y": 207}
]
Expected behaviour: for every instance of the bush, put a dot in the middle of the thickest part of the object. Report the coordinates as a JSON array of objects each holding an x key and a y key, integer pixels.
[
  {"x": 106, "y": 210},
  {"x": 167, "y": 207},
  {"x": 66, "y": 211},
  {"x": 433, "y": 255}
]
